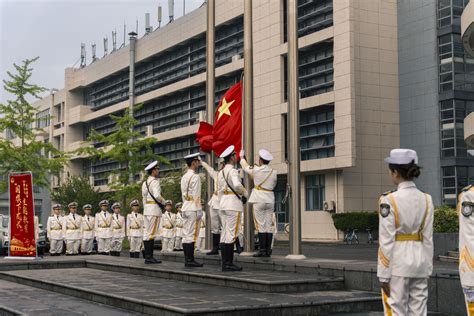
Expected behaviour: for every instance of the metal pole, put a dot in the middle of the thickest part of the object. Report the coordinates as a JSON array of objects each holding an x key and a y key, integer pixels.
[
  {"x": 210, "y": 96},
  {"x": 294, "y": 133},
  {"x": 131, "y": 90},
  {"x": 248, "y": 122}
]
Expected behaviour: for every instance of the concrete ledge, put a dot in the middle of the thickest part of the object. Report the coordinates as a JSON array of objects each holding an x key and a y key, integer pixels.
[
  {"x": 6, "y": 311},
  {"x": 280, "y": 283}
]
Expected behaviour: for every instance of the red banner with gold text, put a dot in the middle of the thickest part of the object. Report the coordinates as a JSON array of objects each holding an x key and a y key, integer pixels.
[{"x": 22, "y": 216}]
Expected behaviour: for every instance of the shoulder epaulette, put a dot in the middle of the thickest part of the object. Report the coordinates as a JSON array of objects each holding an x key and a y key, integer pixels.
[
  {"x": 467, "y": 188},
  {"x": 388, "y": 192}
]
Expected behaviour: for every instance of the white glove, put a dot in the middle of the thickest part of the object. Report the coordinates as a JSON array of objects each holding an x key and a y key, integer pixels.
[
  {"x": 199, "y": 215},
  {"x": 242, "y": 153},
  {"x": 199, "y": 158}
]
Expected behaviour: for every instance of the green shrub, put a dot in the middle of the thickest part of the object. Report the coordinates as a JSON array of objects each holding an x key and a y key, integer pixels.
[
  {"x": 445, "y": 220},
  {"x": 356, "y": 220}
]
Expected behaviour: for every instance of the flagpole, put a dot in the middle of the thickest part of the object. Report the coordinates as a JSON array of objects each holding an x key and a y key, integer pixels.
[
  {"x": 248, "y": 122},
  {"x": 294, "y": 133},
  {"x": 210, "y": 96}
]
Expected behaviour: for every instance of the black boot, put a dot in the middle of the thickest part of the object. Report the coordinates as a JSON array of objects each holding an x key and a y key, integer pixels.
[
  {"x": 189, "y": 261},
  {"x": 229, "y": 254},
  {"x": 238, "y": 247},
  {"x": 216, "y": 238},
  {"x": 149, "y": 259},
  {"x": 132, "y": 255},
  {"x": 262, "y": 245},
  {"x": 223, "y": 255},
  {"x": 137, "y": 254},
  {"x": 269, "y": 244}
]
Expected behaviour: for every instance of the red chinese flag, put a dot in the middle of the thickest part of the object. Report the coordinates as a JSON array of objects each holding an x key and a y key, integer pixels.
[
  {"x": 227, "y": 129},
  {"x": 22, "y": 216}
]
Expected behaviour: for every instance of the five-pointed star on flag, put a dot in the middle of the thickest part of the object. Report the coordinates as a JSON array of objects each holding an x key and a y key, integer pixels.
[{"x": 224, "y": 108}]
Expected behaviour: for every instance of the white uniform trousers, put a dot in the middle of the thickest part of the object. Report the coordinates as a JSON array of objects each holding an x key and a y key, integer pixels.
[
  {"x": 408, "y": 296},
  {"x": 469, "y": 296},
  {"x": 72, "y": 246},
  {"x": 136, "y": 244},
  {"x": 167, "y": 244},
  {"x": 230, "y": 230},
  {"x": 56, "y": 246},
  {"x": 116, "y": 244},
  {"x": 87, "y": 245},
  {"x": 262, "y": 215},
  {"x": 151, "y": 224},
  {"x": 178, "y": 243},
  {"x": 216, "y": 223},
  {"x": 190, "y": 227},
  {"x": 103, "y": 244}
]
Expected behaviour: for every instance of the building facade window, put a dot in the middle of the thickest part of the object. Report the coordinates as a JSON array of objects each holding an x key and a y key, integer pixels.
[
  {"x": 315, "y": 192},
  {"x": 315, "y": 70},
  {"x": 43, "y": 119}
]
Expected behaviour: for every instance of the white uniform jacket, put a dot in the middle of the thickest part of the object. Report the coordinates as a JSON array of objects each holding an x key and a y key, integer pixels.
[
  {"x": 191, "y": 191},
  {"x": 103, "y": 225},
  {"x": 179, "y": 225},
  {"x": 149, "y": 205},
  {"x": 134, "y": 225},
  {"x": 72, "y": 229},
  {"x": 88, "y": 227},
  {"x": 214, "y": 201},
  {"x": 405, "y": 233},
  {"x": 54, "y": 227},
  {"x": 265, "y": 181},
  {"x": 118, "y": 226},
  {"x": 227, "y": 199},
  {"x": 466, "y": 237},
  {"x": 168, "y": 224}
]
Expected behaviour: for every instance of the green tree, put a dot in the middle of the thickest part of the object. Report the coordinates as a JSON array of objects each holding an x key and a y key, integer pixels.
[
  {"x": 446, "y": 220},
  {"x": 27, "y": 152},
  {"x": 130, "y": 149},
  {"x": 78, "y": 189}
]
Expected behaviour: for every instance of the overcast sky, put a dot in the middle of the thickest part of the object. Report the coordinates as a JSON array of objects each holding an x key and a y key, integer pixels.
[{"x": 54, "y": 30}]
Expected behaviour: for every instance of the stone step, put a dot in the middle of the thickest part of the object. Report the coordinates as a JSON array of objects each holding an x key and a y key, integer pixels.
[
  {"x": 448, "y": 258},
  {"x": 151, "y": 295},
  {"x": 264, "y": 281},
  {"x": 17, "y": 299}
]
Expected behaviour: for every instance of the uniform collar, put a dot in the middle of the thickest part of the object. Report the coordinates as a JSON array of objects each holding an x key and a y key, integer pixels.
[
  {"x": 406, "y": 185},
  {"x": 191, "y": 171}
]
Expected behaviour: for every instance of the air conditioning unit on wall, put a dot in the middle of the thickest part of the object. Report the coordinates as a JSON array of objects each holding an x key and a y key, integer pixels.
[{"x": 329, "y": 206}]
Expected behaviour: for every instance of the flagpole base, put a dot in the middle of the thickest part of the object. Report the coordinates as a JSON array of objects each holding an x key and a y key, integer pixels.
[
  {"x": 295, "y": 257},
  {"x": 246, "y": 254}
]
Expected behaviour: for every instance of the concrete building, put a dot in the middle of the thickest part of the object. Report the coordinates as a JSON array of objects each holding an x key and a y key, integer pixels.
[
  {"x": 467, "y": 33},
  {"x": 437, "y": 93},
  {"x": 348, "y": 72}
]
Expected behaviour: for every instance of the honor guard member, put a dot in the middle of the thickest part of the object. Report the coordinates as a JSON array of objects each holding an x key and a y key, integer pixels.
[
  {"x": 72, "y": 230},
  {"x": 192, "y": 209},
  {"x": 262, "y": 198},
  {"x": 405, "y": 257},
  {"x": 54, "y": 229},
  {"x": 88, "y": 225},
  {"x": 178, "y": 239},
  {"x": 153, "y": 203},
  {"x": 135, "y": 229},
  {"x": 215, "y": 212},
  {"x": 118, "y": 230},
  {"x": 466, "y": 246},
  {"x": 232, "y": 195},
  {"x": 103, "y": 228},
  {"x": 168, "y": 227},
  {"x": 201, "y": 239}
]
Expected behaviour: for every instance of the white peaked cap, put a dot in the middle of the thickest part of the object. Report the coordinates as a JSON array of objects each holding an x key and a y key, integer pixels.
[
  {"x": 402, "y": 156},
  {"x": 265, "y": 155},
  {"x": 228, "y": 151},
  {"x": 195, "y": 155},
  {"x": 151, "y": 166},
  {"x": 116, "y": 204}
]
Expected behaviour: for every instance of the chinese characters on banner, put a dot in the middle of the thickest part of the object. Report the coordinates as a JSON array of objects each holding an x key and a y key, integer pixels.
[{"x": 22, "y": 216}]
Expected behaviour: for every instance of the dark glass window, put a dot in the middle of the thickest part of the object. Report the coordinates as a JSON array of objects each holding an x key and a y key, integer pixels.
[
  {"x": 313, "y": 16},
  {"x": 315, "y": 192}
]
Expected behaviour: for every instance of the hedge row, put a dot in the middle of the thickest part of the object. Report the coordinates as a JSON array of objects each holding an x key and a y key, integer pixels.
[{"x": 445, "y": 220}]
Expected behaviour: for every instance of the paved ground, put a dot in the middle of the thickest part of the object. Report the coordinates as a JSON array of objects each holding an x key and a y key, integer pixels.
[
  {"x": 184, "y": 295},
  {"x": 33, "y": 301}
]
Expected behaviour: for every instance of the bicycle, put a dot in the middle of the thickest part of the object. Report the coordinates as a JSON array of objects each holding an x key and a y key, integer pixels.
[{"x": 351, "y": 237}]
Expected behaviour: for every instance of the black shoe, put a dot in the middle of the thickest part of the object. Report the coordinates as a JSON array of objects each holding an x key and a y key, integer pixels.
[
  {"x": 229, "y": 258},
  {"x": 132, "y": 255},
  {"x": 269, "y": 244},
  {"x": 136, "y": 254},
  {"x": 149, "y": 259},
  {"x": 238, "y": 246},
  {"x": 189, "y": 261},
  {"x": 216, "y": 238},
  {"x": 262, "y": 245}
]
